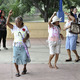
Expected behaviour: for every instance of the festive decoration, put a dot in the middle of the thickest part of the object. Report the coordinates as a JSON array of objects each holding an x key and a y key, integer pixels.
[
  {"x": 25, "y": 46},
  {"x": 23, "y": 29}
]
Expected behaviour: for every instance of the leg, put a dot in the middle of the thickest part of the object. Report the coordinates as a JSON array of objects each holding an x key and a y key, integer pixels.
[
  {"x": 77, "y": 56},
  {"x": 16, "y": 66},
  {"x": 69, "y": 54},
  {"x": 73, "y": 47},
  {"x": 77, "y": 39},
  {"x": 56, "y": 59},
  {"x": 0, "y": 44},
  {"x": 24, "y": 69},
  {"x": 50, "y": 59},
  {"x": 68, "y": 41},
  {"x": 17, "y": 69},
  {"x": 4, "y": 39},
  {"x": 0, "y": 39}
]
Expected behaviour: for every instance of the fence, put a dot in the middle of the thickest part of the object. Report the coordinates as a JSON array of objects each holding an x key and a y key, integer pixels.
[{"x": 36, "y": 29}]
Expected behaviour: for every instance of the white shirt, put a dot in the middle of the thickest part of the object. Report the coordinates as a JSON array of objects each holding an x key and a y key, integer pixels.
[
  {"x": 68, "y": 23},
  {"x": 17, "y": 31}
]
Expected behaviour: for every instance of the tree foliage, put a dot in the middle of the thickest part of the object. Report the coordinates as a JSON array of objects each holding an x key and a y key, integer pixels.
[{"x": 46, "y": 7}]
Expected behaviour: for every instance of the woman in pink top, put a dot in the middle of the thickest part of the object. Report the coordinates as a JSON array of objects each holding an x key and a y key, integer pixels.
[{"x": 54, "y": 39}]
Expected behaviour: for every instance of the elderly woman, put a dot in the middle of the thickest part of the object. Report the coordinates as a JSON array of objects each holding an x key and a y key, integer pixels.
[{"x": 19, "y": 53}]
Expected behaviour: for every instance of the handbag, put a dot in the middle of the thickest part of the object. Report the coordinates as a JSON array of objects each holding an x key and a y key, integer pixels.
[
  {"x": 28, "y": 43},
  {"x": 75, "y": 28}
]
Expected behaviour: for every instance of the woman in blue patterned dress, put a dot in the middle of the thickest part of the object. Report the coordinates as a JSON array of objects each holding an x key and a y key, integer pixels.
[{"x": 19, "y": 52}]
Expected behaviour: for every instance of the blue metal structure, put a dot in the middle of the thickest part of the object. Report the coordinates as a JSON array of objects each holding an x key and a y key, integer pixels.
[{"x": 60, "y": 12}]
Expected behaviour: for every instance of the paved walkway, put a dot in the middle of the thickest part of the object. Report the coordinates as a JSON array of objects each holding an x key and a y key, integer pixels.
[{"x": 38, "y": 68}]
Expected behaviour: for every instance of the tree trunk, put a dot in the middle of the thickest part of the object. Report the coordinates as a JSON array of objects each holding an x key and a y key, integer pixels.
[
  {"x": 46, "y": 15},
  {"x": 45, "y": 18}
]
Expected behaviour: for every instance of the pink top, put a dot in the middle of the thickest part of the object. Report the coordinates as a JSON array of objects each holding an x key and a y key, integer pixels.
[{"x": 54, "y": 33}]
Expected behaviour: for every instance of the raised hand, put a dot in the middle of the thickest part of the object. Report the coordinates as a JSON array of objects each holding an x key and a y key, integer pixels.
[{"x": 10, "y": 12}]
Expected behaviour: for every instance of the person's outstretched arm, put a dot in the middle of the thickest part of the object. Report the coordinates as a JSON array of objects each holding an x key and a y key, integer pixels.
[
  {"x": 69, "y": 15},
  {"x": 50, "y": 20},
  {"x": 7, "y": 22}
]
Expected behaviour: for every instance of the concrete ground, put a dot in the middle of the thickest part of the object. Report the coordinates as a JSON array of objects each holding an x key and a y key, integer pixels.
[{"x": 38, "y": 68}]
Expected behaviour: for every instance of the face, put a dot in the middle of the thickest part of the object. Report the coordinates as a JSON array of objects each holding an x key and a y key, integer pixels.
[
  {"x": 71, "y": 9},
  {"x": 75, "y": 10},
  {"x": 18, "y": 23},
  {"x": 3, "y": 13},
  {"x": 57, "y": 23}
]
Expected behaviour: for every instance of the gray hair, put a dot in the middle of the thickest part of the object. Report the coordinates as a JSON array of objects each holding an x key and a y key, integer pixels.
[{"x": 19, "y": 18}]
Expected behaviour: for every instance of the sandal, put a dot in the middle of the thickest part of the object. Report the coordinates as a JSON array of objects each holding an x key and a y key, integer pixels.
[
  {"x": 17, "y": 75},
  {"x": 67, "y": 60},
  {"x": 24, "y": 72}
]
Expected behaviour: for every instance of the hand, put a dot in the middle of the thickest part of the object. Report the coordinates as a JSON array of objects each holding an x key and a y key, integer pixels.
[
  {"x": 62, "y": 37},
  {"x": 66, "y": 13},
  {"x": 24, "y": 40},
  {"x": 54, "y": 13},
  {"x": 10, "y": 12},
  {"x": 64, "y": 29}
]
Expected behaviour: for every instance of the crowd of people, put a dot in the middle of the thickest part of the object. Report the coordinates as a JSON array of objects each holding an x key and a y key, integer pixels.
[{"x": 54, "y": 38}]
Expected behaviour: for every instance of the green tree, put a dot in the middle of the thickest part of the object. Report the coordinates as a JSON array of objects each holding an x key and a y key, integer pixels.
[{"x": 46, "y": 7}]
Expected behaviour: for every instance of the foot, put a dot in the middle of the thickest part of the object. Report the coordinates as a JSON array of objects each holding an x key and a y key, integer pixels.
[
  {"x": 56, "y": 67},
  {"x": 68, "y": 60},
  {"x": 17, "y": 75},
  {"x": 5, "y": 48},
  {"x": 77, "y": 42},
  {"x": 77, "y": 60},
  {"x": 50, "y": 65},
  {"x": 24, "y": 72}
]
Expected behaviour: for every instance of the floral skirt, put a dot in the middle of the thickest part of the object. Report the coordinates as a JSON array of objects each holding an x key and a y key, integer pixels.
[{"x": 20, "y": 55}]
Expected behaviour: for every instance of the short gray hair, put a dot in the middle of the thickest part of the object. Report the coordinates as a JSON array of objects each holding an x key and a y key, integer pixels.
[{"x": 19, "y": 18}]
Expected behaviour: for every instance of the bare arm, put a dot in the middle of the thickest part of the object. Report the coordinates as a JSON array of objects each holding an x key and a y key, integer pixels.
[
  {"x": 50, "y": 20},
  {"x": 8, "y": 23},
  {"x": 66, "y": 28},
  {"x": 73, "y": 19},
  {"x": 27, "y": 36},
  {"x": 62, "y": 37}
]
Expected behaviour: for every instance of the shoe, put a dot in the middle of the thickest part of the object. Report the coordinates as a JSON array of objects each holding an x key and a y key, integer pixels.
[
  {"x": 77, "y": 60},
  {"x": 24, "y": 72},
  {"x": 5, "y": 48},
  {"x": 68, "y": 60},
  {"x": 17, "y": 75},
  {"x": 77, "y": 42}
]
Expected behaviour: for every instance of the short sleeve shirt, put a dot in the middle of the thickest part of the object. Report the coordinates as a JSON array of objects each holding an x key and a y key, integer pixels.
[
  {"x": 68, "y": 23},
  {"x": 19, "y": 33},
  {"x": 54, "y": 33}
]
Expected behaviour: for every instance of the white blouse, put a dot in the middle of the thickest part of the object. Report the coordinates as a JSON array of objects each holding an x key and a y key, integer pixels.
[{"x": 19, "y": 33}]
